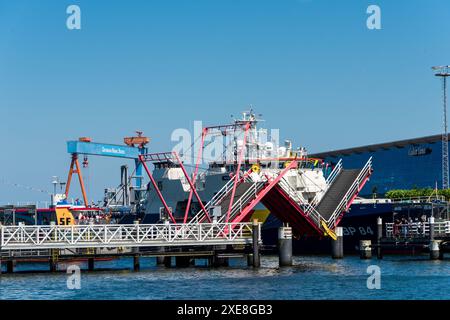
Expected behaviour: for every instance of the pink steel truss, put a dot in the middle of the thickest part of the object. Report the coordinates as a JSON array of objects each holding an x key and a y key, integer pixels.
[
  {"x": 238, "y": 169},
  {"x": 170, "y": 157},
  {"x": 194, "y": 177},
  {"x": 246, "y": 211}
]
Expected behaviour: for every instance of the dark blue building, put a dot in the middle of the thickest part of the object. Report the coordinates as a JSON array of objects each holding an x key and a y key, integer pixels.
[{"x": 405, "y": 164}]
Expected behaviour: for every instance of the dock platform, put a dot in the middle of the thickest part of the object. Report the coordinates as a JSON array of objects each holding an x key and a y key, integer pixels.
[{"x": 56, "y": 243}]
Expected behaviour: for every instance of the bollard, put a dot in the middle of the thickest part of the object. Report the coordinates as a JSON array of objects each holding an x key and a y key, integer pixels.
[
  {"x": 255, "y": 234},
  {"x": 337, "y": 246},
  {"x": 379, "y": 236},
  {"x": 365, "y": 249},
  {"x": 434, "y": 250},
  {"x": 285, "y": 246}
]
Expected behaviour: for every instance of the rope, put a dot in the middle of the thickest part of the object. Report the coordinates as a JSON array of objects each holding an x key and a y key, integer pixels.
[{"x": 18, "y": 185}]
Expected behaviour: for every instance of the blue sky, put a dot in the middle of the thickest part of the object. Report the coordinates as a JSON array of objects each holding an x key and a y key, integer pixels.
[{"x": 311, "y": 67}]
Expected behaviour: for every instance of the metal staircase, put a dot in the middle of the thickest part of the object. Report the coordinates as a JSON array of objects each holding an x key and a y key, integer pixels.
[
  {"x": 245, "y": 193},
  {"x": 336, "y": 192},
  {"x": 352, "y": 192},
  {"x": 329, "y": 181}
]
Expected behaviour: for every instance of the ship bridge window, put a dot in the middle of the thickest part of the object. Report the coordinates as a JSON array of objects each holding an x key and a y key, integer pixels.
[{"x": 230, "y": 167}]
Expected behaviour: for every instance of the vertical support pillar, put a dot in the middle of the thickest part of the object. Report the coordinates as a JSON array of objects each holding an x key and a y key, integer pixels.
[
  {"x": 434, "y": 250},
  {"x": 434, "y": 245},
  {"x": 432, "y": 228},
  {"x": 53, "y": 264},
  {"x": 91, "y": 264},
  {"x": 365, "y": 249},
  {"x": 219, "y": 261},
  {"x": 379, "y": 236},
  {"x": 285, "y": 246},
  {"x": 255, "y": 234},
  {"x": 182, "y": 261},
  {"x": 135, "y": 250},
  {"x": 167, "y": 262},
  {"x": 10, "y": 266},
  {"x": 337, "y": 246},
  {"x": 160, "y": 259},
  {"x": 54, "y": 258},
  {"x": 250, "y": 259},
  {"x": 136, "y": 262}
]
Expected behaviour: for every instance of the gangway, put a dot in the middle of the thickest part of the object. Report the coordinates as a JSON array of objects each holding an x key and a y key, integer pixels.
[
  {"x": 318, "y": 217},
  {"x": 323, "y": 218}
]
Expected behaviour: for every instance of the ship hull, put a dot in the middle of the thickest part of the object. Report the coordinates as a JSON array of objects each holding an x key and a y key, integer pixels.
[{"x": 360, "y": 223}]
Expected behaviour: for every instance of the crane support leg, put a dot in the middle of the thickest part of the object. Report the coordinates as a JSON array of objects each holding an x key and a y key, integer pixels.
[{"x": 76, "y": 170}]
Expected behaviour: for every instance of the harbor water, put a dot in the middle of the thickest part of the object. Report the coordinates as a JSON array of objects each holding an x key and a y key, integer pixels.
[{"x": 311, "y": 277}]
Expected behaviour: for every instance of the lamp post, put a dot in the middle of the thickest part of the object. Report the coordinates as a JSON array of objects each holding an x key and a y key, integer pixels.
[{"x": 443, "y": 72}]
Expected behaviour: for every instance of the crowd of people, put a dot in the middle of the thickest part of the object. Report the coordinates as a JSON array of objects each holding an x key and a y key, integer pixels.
[
  {"x": 98, "y": 218},
  {"x": 405, "y": 227}
]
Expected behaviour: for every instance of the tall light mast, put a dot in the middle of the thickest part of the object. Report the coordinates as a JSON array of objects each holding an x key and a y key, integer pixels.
[{"x": 443, "y": 72}]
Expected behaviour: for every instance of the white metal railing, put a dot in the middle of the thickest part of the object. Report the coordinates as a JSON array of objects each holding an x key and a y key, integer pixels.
[
  {"x": 337, "y": 169},
  {"x": 310, "y": 206},
  {"x": 214, "y": 200},
  {"x": 328, "y": 182},
  {"x": 420, "y": 199},
  {"x": 250, "y": 194},
  {"x": 308, "y": 209},
  {"x": 416, "y": 229},
  {"x": 135, "y": 235},
  {"x": 35, "y": 253},
  {"x": 354, "y": 188},
  {"x": 219, "y": 196}
]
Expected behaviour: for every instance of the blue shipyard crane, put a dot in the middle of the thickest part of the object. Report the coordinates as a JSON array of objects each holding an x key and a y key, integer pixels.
[{"x": 133, "y": 148}]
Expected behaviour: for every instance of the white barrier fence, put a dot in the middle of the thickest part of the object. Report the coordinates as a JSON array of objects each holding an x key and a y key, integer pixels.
[
  {"x": 135, "y": 235},
  {"x": 417, "y": 229}
]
